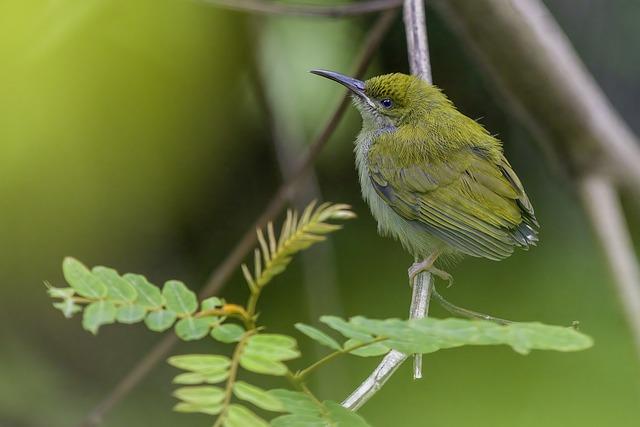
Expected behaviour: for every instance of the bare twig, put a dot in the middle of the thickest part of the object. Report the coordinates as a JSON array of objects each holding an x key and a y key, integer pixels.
[
  {"x": 330, "y": 11},
  {"x": 415, "y": 27},
  {"x": 603, "y": 207},
  {"x": 222, "y": 273}
]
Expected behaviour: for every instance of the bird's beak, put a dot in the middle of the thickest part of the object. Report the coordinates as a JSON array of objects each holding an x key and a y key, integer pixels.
[{"x": 354, "y": 85}]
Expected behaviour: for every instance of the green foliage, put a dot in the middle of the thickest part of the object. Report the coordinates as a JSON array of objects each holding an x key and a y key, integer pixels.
[
  {"x": 296, "y": 235},
  {"x": 429, "y": 335},
  {"x": 305, "y": 411},
  {"x": 210, "y": 384}
]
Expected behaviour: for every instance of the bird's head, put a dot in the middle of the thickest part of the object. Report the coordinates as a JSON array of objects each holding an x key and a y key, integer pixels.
[{"x": 390, "y": 99}]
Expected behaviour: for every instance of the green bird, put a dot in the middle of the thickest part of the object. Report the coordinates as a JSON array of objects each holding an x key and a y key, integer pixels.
[{"x": 434, "y": 178}]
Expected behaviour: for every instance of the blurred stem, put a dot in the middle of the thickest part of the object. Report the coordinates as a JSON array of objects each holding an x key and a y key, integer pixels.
[
  {"x": 221, "y": 274},
  {"x": 604, "y": 210},
  {"x": 311, "y": 10}
]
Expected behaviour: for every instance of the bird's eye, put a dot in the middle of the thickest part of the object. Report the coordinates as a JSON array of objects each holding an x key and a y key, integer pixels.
[{"x": 386, "y": 103}]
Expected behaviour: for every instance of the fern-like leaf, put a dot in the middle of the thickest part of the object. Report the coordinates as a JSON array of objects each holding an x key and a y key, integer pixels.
[{"x": 297, "y": 233}]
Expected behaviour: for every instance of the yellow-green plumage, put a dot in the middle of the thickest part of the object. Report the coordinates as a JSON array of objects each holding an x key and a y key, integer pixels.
[{"x": 434, "y": 178}]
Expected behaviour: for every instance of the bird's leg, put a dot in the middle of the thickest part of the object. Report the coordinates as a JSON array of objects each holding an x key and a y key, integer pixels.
[{"x": 427, "y": 265}]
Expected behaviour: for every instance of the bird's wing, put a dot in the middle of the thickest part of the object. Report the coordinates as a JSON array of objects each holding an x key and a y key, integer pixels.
[{"x": 472, "y": 201}]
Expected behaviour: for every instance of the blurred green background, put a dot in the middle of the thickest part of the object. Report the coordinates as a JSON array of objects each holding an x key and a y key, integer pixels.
[{"x": 131, "y": 136}]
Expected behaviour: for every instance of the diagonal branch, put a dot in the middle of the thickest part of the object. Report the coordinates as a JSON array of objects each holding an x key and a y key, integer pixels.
[
  {"x": 603, "y": 208},
  {"x": 222, "y": 273},
  {"x": 416, "y": 31},
  {"x": 312, "y": 10}
]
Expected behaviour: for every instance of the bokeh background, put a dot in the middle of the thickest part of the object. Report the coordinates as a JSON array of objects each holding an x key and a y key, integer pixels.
[{"x": 133, "y": 134}]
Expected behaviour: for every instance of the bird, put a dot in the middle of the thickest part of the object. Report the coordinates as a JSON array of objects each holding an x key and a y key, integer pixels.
[{"x": 435, "y": 179}]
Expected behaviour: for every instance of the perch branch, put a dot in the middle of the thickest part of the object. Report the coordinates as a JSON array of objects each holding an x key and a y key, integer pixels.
[
  {"x": 418, "y": 52},
  {"x": 328, "y": 11},
  {"x": 222, "y": 273},
  {"x": 603, "y": 208}
]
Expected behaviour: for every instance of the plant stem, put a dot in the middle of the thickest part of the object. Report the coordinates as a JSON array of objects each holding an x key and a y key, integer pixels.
[
  {"x": 300, "y": 376},
  {"x": 233, "y": 372},
  {"x": 310, "y": 10}
]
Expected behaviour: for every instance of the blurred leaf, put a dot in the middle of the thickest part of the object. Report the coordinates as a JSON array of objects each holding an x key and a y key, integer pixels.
[
  {"x": 193, "y": 328},
  {"x": 200, "y": 395},
  {"x": 118, "y": 289},
  {"x": 97, "y": 314},
  {"x": 200, "y": 362},
  {"x": 190, "y": 378},
  {"x": 297, "y": 420},
  {"x": 211, "y": 303},
  {"x": 130, "y": 313},
  {"x": 239, "y": 416},
  {"x": 161, "y": 320},
  {"x": 345, "y": 328},
  {"x": 60, "y": 292},
  {"x": 179, "y": 298},
  {"x": 68, "y": 307},
  {"x": 228, "y": 333},
  {"x": 264, "y": 353},
  {"x": 295, "y": 402},
  {"x": 262, "y": 365},
  {"x": 198, "y": 408},
  {"x": 149, "y": 296},
  {"x": 259, "y": 397},
  {"x": 81, "y": 279},
  {"x": 318, "y": 335}
]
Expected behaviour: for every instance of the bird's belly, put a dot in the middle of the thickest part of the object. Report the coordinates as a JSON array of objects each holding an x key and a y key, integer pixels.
[{"x": 413, "y": 237}]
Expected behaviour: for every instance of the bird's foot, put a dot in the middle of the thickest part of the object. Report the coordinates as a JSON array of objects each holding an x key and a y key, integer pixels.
[{"x": 426, "y": 265}]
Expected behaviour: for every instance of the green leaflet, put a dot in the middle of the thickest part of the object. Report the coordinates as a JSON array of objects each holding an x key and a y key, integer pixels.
[
  {"x": 239, "y": 416},
  {"x": 81, "y": 280},
  {"x": 118, "y": 289},
  {"x": 264, "y": 353},
  {"x": 161, "y": 320},
  {"x": 149, "y": 296},
  {"x": 131, "y": 313},
  {"x": 193, "y": 328},
  {"x": 318, "y": 336},
  {"x": 179, "y": 298},
  {"x": 259, "y": 397},
  {"x": 97, "y": 314},
  {"x": 200, "y": 362},
  {"x": 200, "y": 395},
  {"x": 228, "y": 333}
]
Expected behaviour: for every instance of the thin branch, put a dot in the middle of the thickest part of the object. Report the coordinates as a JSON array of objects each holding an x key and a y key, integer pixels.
[
  {"x": 222, "y": 273},
  {"x": 418, "y": 52},
  {"x": 603, "y": 208},
  {"x": 311, "y": 10}
]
